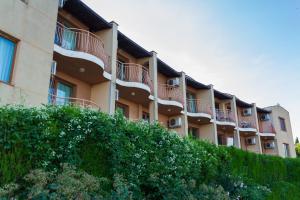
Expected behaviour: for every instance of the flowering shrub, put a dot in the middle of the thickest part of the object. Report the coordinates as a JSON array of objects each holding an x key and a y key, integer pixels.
[{"x": 138, "y": 160}]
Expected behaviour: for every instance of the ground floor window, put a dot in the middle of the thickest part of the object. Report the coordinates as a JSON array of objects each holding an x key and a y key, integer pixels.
[
  {"x": 124, "y": 109},
  {"x": 146, "y": 116},
  {"x": 7, "y": 53},
  {"x": 286, "y": 150},
  {"x": 193, "y": 132},
  {"x": 63, "y": 93}
]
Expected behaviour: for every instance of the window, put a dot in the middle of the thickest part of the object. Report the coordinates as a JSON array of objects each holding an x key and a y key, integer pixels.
[
  {"x": 146, "y": 116},
  {"x": 124, "y": 109},
  {"x": 282, "y": 124},
  {"x": 7, "y": 52},
  {"x": 192, "y": 107},
  {"x": 63, "y": 93},
  {"x": 286, "y": 150},
  {"x": 193, "y": 132}
]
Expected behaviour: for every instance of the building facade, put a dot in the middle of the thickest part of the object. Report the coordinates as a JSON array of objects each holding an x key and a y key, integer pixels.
[{"x": 62, "y": 52}]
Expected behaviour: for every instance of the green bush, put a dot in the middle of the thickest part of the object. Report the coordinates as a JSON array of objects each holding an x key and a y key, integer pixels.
[{"x": 139, "y": 160}]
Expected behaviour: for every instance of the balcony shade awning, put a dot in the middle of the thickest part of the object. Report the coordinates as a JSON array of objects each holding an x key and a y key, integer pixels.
[
  {"x": 243, "y": 104},
  {"x": 221, "y": 95},
  {"x": 166, "y": 70},
  {"x": 131, "y": 47},
  {"x": 86, "y": 15},
  {"x": 195, "y": 84},
  {"x": 262, "y": 110}
]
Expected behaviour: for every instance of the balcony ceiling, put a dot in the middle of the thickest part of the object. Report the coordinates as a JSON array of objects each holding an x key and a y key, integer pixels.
[
  {"x": 221, "y": 95},
  {"x": 262, "y": 110},
  {"x": 242, "y": 104},
  {"x": 86, "y": 15}
]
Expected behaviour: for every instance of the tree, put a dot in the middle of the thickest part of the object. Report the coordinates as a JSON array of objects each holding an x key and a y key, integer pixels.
[
  {"x": 297, "y": 147},
  {"x": 297, "y": 140}
]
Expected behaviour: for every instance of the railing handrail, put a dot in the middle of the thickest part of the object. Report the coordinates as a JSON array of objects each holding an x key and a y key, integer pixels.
[
  {"x": 133, "y": 65},
  {"x": 86, "y": 103},
  {"x": 225, "y": 115},
  {"x": 200, "y": 106},
  {"x": 81, "y": 30},
  {"x": 170, "y": 92},
  {"x": 266, "y": 127}
]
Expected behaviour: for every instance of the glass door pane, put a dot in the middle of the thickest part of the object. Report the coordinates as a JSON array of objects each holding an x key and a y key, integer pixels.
[{"x": 63, "y": 93}]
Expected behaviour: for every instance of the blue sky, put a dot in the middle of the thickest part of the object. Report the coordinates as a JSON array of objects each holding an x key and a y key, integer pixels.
[{"x": 249, "y": 48}]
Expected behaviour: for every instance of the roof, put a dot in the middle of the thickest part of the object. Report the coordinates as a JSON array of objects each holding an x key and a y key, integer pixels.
[
  {"x": 262, "y": 110},
  {"x": 86, "y": 15},
  {"x": 221, "y": 95},
  {"x": 195, "y": 84},
  {"x": 131, "y": 47},
  {"x": 166, "y": 70},
  {"x": 243, "y": 104}
]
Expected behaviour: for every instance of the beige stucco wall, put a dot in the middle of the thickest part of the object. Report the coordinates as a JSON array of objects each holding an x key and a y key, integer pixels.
[
  {"x": 250, "y": 118},
  {"x": 206, "y": 131},
  {"x": 33, "y": 24},
  {"x": 251, "y": 148},
  {"x": 282, "y": 136},
  {"x": 100, "y": 94}
]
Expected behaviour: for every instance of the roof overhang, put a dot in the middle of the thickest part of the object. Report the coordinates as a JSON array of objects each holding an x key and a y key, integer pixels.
[
  {"x": 243, "y": 104},
  {"x": 131, "y": 47},
  {"x": 166, "y": 70},
  {"x": 262, "y": 110},
  {"x": 195, "y": 84},
  {"x": 86, "y": 15},
  {"x": 222, "y": 96}
]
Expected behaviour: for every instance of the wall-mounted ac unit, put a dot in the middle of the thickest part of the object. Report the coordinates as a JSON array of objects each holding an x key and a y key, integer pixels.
[
  {"x": 173, "y": 82},
  {"x": 175, "y": 122},
  {"x": 117, "y": 95},
  {"x": 251, "y": 141},
  {"x": 265, "y": 117},
  {"x": 270, "y": 145},
  {"x": 247, "y": 112},
  {"x": 53, "y": 67},
  {"x": 61, "y": 3}
]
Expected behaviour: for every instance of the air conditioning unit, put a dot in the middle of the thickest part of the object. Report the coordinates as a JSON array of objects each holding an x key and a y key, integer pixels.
[
  {"x": 53, "y": 68},
  {"x": 173, "y": 82},
  {"x": 251, "y": 141},
  {"x": 117, "y": 95},
  {"x": 175, "y": 122},
  {"x": 265, "y": 117},
  {"x": 247, "y": 112},
  {"x": 270, "y": 145},
  {"x": 61, "y": 3}
]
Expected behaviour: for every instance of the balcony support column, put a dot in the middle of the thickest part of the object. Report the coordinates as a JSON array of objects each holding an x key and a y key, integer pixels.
[
  {"x": 214, "y": 116},
  {"x": 183, "y": 90},
  {"x": 153, "y": 74},
  {"x": 113, "y": 66},
  {"x": 237, "y": 140},
  {"x": 257, "y": 127}
]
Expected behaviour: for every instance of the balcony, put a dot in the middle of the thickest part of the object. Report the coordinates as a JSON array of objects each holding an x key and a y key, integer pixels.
[
  {"x": 247, "y": 124},
  {"x": 134, "y": 75},
  {"x": 225, "y": 117},
  {"x": 63, "y": 101},
  {"x": 198, "y": 111},
  {"x": 80, "y": 44},
  {"x": 170, "y": 99},
  {"x": 267, "y": 129}
]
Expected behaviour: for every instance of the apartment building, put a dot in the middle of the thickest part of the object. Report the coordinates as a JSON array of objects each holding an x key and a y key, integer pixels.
[{"x": 62, "y": 52}]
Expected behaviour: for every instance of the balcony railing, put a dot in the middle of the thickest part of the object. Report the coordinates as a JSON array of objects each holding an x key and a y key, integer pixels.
[
  {"x": 247, "y": 122},
  {"x": 266, "y": 127},
  {"x": 198, "y": 106},
  {"x": 225, "y": 116},
  {"x": 131, "y": 72},
  {"x": 63, "y": 101},
  {"x": 80, "y": 40},
  {"x": 167, "y": 92}
]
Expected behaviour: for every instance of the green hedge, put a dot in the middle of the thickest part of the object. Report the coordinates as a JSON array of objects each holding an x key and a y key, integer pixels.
[{"x": 141, "y": 161}]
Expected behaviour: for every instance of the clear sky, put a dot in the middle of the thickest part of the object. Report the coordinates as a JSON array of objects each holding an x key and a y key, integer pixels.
[{"x": 249, "y": 48}]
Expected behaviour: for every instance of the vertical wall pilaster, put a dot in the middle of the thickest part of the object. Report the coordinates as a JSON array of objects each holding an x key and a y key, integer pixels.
[
  {"x": 237, "y": 139},
  {"x": 183, "y": 90},
  {"x": 212, "y": 100},
  {"x": 257, "y": 127},
  {"x": 113, "y": 66},
  {"x": 153, "y": 75}
]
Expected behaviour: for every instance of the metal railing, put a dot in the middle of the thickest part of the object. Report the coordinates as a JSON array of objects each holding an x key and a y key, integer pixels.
[
  {"x": 80, "y": 40},
  {"x": 247, "y": 122},
  {"x": 132, "y": 72},
  {"x": 63, "y": 101},
  {"x": 266, "y": 127},
  {"x": 198, "y": 106},
  {"x": 224, "y": 116},
  {"x": 167, "y": 92}
]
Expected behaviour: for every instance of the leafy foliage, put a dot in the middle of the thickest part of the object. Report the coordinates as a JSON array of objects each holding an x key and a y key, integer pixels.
[{"x": 136, "y": 160}]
